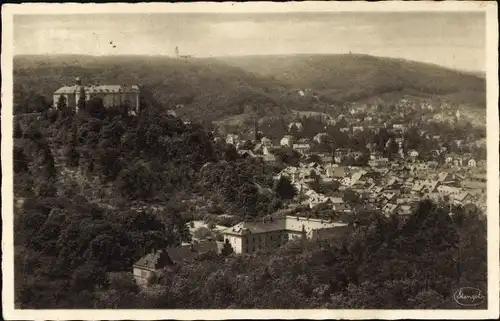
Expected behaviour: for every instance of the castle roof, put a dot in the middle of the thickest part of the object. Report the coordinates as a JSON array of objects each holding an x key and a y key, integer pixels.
[{"x": 98, "y": 89}]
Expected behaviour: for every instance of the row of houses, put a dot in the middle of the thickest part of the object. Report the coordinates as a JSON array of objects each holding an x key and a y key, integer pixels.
[
  {"x": 377, "y": 186},
  {"x": 303, "y": 146}
]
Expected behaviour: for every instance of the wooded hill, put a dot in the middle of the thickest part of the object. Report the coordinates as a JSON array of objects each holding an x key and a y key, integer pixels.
[
  {"x": 215, "y": 88},
  {"x": 351, "y": 77}
]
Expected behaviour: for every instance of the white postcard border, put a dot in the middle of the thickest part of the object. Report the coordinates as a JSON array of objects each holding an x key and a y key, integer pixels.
[{"x": 490, "y": 8}]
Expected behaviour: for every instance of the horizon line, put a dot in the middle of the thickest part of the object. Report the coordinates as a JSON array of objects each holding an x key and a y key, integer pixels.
[{"x": 477, "y": 72}]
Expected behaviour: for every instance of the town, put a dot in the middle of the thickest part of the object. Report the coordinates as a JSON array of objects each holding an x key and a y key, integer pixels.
[{"x": 343, "y": 182}]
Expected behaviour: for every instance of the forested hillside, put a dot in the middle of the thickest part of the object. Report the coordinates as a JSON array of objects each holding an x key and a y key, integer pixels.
[
  {"x": 206, "y": 90},
  {"x": 216, "y": 88},
  {"x": 97, "y": 190},
  {"x": 353, "y": 76}
]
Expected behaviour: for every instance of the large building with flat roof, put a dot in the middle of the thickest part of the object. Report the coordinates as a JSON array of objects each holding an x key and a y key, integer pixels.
[{"x": 250, "y": 236}]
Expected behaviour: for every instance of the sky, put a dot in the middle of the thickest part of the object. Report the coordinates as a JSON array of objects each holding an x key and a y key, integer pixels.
[{"x": 451, "y": 39}]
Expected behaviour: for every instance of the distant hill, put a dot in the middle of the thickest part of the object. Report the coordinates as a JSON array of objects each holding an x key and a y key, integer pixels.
[
  {"x": 206, "y": 89},
  {"x": 351, "y": 77},
  {"x": 222, "y": 88}
]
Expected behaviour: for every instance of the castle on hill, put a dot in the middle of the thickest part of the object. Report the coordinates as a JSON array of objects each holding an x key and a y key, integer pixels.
[{"x": 111, "y": 95}]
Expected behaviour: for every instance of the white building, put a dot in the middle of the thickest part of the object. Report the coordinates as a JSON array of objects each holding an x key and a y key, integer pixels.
[
  {"x": 111, "y": 95},
  {"x": 266, "y": 142},
  {"x": 297, "y": 125},
  {"x": 232, "y": 139},
  {"x": 287, "y": 140},
  {"x": 248, "y": 237},
  {"x": 321, "y": 137}
]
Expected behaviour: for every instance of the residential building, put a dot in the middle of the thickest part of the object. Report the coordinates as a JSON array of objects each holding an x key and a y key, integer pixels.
[
  {"x": 232, "y": 139},
  {"x": 250, "y": 236},
  {"x": 389, "y": 209},
  {"x": 413, "y": 154},
  {"x": 246, "y": 153},
  {"x": 266, "y": 142},
  {"x": 462, "y": 198},
  {"x": 357, "y": 129},
  {"x": 302, "y": 146},
  {"x": 287, "y": 140},
  {"x": 297, "y": 125},
  {"x": 471, "y": 163},
  {"x": 449, "y": 190},
  {"x": 147, "y": 266},
  {"x": 321, "y": 137}
]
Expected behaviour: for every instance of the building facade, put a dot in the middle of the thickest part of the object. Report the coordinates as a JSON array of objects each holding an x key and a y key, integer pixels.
[
  {"x": 248, "y": 237},
  {"x": 111, "y": 95},
  {"x": 148, "y": 265}
]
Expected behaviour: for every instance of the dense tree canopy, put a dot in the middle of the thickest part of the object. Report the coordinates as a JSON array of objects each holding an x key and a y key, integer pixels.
[{"x": 100, "y": 189}]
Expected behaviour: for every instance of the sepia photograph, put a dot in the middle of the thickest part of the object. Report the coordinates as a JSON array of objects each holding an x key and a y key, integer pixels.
[{"x": 326, "y": 157}]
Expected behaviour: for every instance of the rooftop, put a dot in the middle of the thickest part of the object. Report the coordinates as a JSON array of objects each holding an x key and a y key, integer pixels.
[
  {"x": 98, "y": 89},
  {"x": 289, "y": 223}
]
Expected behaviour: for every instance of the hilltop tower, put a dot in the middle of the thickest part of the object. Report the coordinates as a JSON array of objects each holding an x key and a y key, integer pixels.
[{"x": 177, "y": 52}]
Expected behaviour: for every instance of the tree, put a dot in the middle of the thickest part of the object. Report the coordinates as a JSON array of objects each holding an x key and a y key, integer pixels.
[
  {"x": 392, "y": 148},
  {"x": 136, "y": 182},
  {"x": 227, "y": 249},
  {"x": 61, "y": 103},
  {"x": 33, "y": 131},
  {"x": 72, "y": 155},
  {"x": 49, "y": 168},
  {"x": 46, "y": 188},
  {"x": 284, "y": 188},
  {"x": 316, "y": 183},
  {"x": 122, "y": 282},
  {"x": 20, "y": 161},
  {"x": 314, "y": 159},
  {"x": 95, "y": 108},
  {"x": 81, "y": 100},
  {"x": 34, "y": 103},
  {"x": 363, "y": 159},
  {"x": 350, "y": 196},
  {"x": 88, "y": 276},
  {"x": 18, "y": 133},
  {"x": 202, "y": 233}
]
